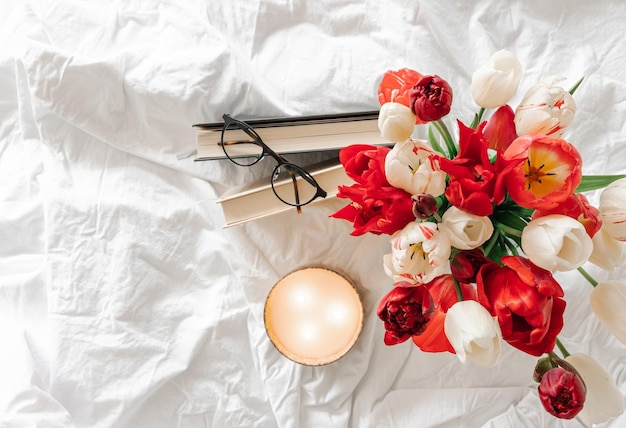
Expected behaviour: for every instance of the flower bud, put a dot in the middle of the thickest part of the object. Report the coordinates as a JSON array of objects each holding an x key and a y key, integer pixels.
[
  {"x": 424, "y": 205},
  {"x": 495, "y": 83},
  {"x": 466, "y": 231},
  {"x": 466, "y": 264},
  {"x": 395, "y": 122},
  {"x": 473, "y": 333},
  {"x": 431, "y": 98},
  {"x": 543, "y": 366},
  {"x": 562, "y": 393}
]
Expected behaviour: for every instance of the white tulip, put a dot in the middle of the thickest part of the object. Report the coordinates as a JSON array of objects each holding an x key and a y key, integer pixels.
[
  {"x": 556, "y": 242},
  {"x": 545, "y": 109},
  {"x": 608, "y": 300},
  {"x": 496, "y": 82},
  {"x": 613, "y": 209},
  {"x": 608, "y": 253},
  {"x": 396, "y": 122},
  {"x": 409, "y": 166},
  {"x": 473, "y": 333},
  {"x": 419, "y": 253},
  {"x": 466, "y": 231},
  {"x": 604, "y": 400}
]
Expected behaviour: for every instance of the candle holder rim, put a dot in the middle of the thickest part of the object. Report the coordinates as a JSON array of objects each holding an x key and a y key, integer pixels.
[{"x": 359, "y": 328}]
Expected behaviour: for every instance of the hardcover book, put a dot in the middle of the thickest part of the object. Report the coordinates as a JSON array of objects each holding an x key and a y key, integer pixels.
[
  {"x": 296, "y": 134},
  {"x": 255, "y": 200}
]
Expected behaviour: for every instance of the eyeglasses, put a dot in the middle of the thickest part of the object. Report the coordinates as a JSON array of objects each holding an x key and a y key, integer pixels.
[{"x": 243, "y": 146}]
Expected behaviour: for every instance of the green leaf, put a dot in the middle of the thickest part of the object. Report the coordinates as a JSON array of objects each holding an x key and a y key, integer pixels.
[
  {"x": 491, "y": 243},
  {"x": 447, "y": 137},
  {"x": 511, "y": 246},
  {"x": 434, "y": 143},
  {"x": 594, "y": 182},
  {"x": 576, "y": 85},
  {"x": 509, "y": 219}
]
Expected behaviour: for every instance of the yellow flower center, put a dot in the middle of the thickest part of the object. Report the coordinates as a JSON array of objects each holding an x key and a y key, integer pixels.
[{"x": 544, "y": 171}]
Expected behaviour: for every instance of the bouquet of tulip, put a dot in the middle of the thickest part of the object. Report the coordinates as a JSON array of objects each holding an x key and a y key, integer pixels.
[{"x": 479, "y": 224}]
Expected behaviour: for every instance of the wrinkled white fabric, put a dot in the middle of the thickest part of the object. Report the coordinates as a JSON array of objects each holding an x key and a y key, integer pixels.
[{"x": 125, "y": 304}]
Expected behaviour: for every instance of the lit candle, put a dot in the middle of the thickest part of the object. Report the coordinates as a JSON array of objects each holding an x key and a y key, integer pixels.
[{"x": 313, "y": 316}]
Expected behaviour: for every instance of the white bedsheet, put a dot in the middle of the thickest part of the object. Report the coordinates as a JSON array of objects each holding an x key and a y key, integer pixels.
[{"x": 123, "y": 302}]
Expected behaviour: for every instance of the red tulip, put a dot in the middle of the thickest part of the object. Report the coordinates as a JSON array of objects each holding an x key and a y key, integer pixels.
[
  {"x": 475, "y": 184},
  {"x": 466, "y": 264},
  {"x": 431, "y": 98},
  {"x": 405, "y": 312},
  {"x": 395, "y": 86},
  {"x": 527, "y": 301},
  {"x": 562, "y": 393},
  {"x": 500, "y": 128},
  {"x": 548, "y": 172},
  {"x": 377, "y": 207}
]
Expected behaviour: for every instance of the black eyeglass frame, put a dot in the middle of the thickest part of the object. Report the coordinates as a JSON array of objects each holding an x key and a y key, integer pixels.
[{"x": 293, "y": 169}]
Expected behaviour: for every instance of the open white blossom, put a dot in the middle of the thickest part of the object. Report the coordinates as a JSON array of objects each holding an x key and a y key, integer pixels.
[
  {"x": 545, "y": 109},
  {"x": 410, "y": 166},
  {"x": 419, "y": 253},
  {"x": 556, "y": 242}
]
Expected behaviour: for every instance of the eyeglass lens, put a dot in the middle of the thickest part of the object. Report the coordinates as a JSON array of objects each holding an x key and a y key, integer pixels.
[
  {"x": 240, "y": 147},
  {"x": 303, "y": 190},
  {"x": 291, "y": 184}
]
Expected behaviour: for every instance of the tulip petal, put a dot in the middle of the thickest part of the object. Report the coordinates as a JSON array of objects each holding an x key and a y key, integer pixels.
[
  {"x": 608, "y": 300},
  {"x": 604, "y": 400},
  {"x": 473, "y": 333},
  {"x": 549, "y": 171}
]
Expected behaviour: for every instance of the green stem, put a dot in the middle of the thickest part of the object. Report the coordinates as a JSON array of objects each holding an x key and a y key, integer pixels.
[
  {"x": 434, "y": 143},
  {"x": 477, "y": 118},
  {"x": 459, "y": 292},
  {"x": 492, "y": 242},
  {"x": 507, "y": 229},
  {"x": 562, "y": 348},
  {"x": 447, "y": 138},
  {"x": 588, "y": 277}
]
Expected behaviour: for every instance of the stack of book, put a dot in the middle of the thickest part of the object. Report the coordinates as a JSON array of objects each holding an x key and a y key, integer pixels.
[{"x": 251, "y": 201}]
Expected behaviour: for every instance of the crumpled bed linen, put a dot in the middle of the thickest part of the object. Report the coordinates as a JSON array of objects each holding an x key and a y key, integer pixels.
[{"x": 123, "y": 302}]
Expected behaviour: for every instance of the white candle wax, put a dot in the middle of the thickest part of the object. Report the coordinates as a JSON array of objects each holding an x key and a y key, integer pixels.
[{"x": 313, "y": 316}]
